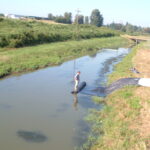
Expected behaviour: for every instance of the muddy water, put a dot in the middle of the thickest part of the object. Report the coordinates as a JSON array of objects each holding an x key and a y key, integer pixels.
[{"x": 37, "y": 111}]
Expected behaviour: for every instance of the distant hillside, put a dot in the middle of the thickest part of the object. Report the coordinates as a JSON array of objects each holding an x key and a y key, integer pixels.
[
  {"x": 45, "y": 21},
  {"x": 19, "y": 33}
]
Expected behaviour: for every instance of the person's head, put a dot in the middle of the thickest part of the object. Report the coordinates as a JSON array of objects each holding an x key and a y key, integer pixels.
[{"x": 78, "y": 72}]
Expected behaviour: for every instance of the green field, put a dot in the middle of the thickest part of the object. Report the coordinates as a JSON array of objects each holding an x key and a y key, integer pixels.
[
  {"x": 19, "y": 33},
  {"x": 35, "y": 57}
]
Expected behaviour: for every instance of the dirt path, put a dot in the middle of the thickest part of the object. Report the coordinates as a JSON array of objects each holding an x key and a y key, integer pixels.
[
  {"x": 142, "y": 63},
  {"x": 140, "y": 38}
]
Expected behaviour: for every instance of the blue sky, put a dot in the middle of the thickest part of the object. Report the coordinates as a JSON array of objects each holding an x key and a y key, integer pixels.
[{"x": 136, "y": 12}]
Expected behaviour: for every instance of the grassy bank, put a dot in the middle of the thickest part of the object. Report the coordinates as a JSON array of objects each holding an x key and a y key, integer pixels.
[
  {"x": 118, "y": 125},
  {"x": 19, "y": 33},
  {"x": 35, "y": 57}
]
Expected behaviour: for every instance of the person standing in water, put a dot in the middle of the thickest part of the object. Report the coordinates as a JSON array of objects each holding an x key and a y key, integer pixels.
[{"x": 77, "y": 80}]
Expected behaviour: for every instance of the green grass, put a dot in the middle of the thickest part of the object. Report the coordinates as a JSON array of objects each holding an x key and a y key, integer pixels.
[
  {"x": 113, "y": 126},
  {"x": 35, "y": 57},
  {"x": 98, "y": 100},
  {"x": 123, "y": 68},
  {"x": 19, "y": 33}
]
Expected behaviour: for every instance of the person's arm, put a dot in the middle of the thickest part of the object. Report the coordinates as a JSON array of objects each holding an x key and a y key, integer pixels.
[{"x": 75, "y": 77}]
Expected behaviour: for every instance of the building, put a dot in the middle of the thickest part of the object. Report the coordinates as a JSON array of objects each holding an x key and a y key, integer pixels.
[{"x": 13, "y": 16}]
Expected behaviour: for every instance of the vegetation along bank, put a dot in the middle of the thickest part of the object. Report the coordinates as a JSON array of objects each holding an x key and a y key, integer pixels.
[
  {"x": 49, "y": 44},
  {"x": 123, "y": 124},
  {"x": 40, "y": 56}
]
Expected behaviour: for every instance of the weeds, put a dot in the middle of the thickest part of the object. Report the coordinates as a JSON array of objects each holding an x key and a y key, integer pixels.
[{"x": 35, "y": 57}]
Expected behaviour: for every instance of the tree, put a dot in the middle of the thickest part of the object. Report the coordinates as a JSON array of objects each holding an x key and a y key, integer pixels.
[
  {"x": 60, "y": 19},
  {"x": 116, "y": 26},
  {"x": 146, "y": 30},
  {"x": 86, "y": 20},
  {"x": 68, "y": 17},
  {"x": 50, "y": 16},
  {"x": 96, "y": 18},
  {"x": 79, "y": 19},
  {"x": 1, "y": 15},
  {"x": 129, "y": 28}
]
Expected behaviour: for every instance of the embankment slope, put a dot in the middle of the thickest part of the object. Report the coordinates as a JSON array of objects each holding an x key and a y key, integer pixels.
[{"x": 124, "y": 121}]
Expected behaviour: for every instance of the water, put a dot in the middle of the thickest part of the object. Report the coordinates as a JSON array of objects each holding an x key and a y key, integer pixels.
[{"x": 37, "y": 110}]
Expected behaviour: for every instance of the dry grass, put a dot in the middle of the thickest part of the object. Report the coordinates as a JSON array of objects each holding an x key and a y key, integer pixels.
[
  {"x": 143, "y": 38},
  {"x": 4, "y": 58},
  {"x": 143, "y": 93},
  {"x": 142, "y": 63},
  {"x": 43, "y": 21},
  {"x": 49, "y": 22},
  {"x": 126, "y": 118}
]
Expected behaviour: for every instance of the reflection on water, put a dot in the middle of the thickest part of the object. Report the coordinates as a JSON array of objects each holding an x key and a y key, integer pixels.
[
  {"x": 62, "y": 108},
  {"x": 5, "y": 106},
  {"x": 32, "y": 136},
  {"x": 75, "y": 101},
  {"x": 81, "y": 133},
  {"x": 42, "y": 102}
]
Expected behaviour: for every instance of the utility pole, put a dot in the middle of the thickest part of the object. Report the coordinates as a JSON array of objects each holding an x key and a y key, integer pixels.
[
  {"x": 77, "y": 37},
  {"x": 77, "y": 25}
]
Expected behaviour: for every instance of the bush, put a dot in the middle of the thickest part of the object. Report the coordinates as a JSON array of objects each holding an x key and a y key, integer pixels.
[
  {"x": 3, "y": 41},
  {"x": 1, "y": 19}
]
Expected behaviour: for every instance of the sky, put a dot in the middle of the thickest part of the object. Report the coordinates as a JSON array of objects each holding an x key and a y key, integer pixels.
[{"x": 136, "y": 12}]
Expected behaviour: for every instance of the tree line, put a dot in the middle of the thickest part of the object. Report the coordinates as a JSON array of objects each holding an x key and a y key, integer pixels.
[
  {"x": 129, "y": 28},
  {"x": 95, "y": 18}
]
